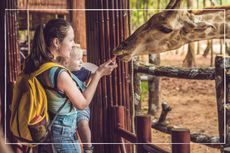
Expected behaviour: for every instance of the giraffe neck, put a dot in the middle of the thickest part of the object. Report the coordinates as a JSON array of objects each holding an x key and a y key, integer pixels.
[
  {"x": 220, "y": 19},
  {"x": 215, "y": 18}
]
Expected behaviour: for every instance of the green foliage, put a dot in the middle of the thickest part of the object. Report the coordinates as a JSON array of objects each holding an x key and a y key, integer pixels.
[
  {"x": 144, "y": 89},
  {"x": 142, "y": 10}
]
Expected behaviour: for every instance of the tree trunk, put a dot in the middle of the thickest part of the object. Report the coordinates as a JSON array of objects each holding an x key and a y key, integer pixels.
[
  {"x": 198, "y": 43},
  {"x": 154, "y": 82},
  {"x": 137, "y": 5},
  {"x": 221, "y": 46},
  {"x": 189, "y": 60},
  {"x": 211, "y": 54},
  {"x": 145, "y": 14},
  {"x": 227, "y": 49},
  {"x": 198, "y": 48},
  {"x": 206, "y": 51},
  {"x": 154, "y": 86},
  {"x": 204, "y": 3}
]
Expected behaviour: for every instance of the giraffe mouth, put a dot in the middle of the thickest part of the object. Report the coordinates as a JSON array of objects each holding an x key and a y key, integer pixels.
[{"x": 122, "y": 55}]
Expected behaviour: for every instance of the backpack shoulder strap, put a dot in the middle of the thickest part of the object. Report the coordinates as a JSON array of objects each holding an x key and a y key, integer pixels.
[
  {"x": 79, "y": 83},
  {"x": 53, "y": 86},
  {"x": 45, "y": 67}
]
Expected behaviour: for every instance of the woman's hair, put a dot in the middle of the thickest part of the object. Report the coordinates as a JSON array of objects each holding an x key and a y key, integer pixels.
[{"x": 40, "y": 53}]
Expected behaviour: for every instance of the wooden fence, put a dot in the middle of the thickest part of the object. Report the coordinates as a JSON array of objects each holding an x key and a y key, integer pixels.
[
  {"x": 221, "y": 76},
  {"x": 142, "y": 138},
  {"x": 106, "y": 27}
]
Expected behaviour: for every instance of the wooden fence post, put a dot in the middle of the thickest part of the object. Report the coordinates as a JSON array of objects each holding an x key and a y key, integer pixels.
[
  {"x": 227, "y": 105},
  {"x": 219, "y": 78},
  {"x": 180, "y": 140},
  {"x": 143, "y": 125},
  {"x": 117, "y": 121},
  {"x": 120, "y": 112}
]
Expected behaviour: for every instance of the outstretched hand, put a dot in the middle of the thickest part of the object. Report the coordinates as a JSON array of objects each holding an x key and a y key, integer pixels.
[{"x": 107, "y": 67}]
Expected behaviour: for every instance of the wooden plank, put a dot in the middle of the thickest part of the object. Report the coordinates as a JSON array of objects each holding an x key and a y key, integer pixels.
[{"x": 175, "y": 72}]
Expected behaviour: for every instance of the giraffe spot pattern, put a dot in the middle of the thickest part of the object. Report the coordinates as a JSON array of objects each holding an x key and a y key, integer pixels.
[
  {"x": 208, "y": 17},
  {"x": 218, "y": 19}
]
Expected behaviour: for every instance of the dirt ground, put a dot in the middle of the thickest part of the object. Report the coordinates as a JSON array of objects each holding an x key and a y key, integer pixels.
[{"x": 193, "y": 104}]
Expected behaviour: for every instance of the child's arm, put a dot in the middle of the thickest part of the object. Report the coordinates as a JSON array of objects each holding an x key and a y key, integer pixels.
[{"x": 92, "y": 73}]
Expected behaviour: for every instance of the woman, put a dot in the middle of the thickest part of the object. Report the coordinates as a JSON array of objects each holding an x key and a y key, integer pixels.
[{"x": 57, "y": 39}]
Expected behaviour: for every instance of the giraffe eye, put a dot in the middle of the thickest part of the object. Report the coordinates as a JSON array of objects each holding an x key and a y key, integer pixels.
[{"x": 165, "y": 29}]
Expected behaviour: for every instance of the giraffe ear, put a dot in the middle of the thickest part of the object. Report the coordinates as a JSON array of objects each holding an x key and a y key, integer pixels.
[
  {"x": 203, "y": 26},
  {"x": 174, "y": 4}
]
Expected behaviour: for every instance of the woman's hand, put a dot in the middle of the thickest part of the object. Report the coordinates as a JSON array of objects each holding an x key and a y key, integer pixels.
[{"x": 106, "y": 68}]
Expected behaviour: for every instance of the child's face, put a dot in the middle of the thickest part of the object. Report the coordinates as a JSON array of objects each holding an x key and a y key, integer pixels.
[{"x": 75, "y": 61}]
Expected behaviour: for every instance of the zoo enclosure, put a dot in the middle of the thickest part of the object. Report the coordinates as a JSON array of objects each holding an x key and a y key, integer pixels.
[{"x": 220, "y": 74}]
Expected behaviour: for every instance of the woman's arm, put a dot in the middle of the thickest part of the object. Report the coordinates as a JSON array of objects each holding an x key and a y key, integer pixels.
[{"x": 69, "y": 87}]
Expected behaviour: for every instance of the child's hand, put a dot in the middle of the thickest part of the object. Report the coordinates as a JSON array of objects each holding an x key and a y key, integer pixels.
[
  {"x": 114, "y": 59},
  {"x": 106, "y": 68}
]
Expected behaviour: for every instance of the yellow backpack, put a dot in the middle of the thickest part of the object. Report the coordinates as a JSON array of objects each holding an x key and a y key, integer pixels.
[{"x": 29, "y": 109}]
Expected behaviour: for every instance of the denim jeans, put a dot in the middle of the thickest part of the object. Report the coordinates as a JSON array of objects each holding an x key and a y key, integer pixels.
[
  {"x": 83, "y": 114},
  {"x": 63, "y": 134}
]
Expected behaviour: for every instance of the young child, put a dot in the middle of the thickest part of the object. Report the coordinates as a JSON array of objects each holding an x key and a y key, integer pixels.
[{"x": 74, "y": 64}]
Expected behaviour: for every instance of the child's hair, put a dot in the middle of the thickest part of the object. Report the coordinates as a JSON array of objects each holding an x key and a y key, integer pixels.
[
  {"x": 75, "y": 60},
  {"x": 63, "y": 61}
]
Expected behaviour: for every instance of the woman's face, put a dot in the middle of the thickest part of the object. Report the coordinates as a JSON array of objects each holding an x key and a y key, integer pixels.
[{"x": 67, "y": 44}]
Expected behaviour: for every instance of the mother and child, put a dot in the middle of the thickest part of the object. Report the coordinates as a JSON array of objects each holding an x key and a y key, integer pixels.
[{"x": 55, "y": 43}]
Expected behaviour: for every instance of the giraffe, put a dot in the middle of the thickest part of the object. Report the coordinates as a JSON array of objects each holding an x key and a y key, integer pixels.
[{"x": 170, "y": 29}]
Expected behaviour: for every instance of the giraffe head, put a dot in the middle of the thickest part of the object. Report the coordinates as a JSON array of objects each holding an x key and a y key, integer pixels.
[{"x": 162, "y": 32}]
